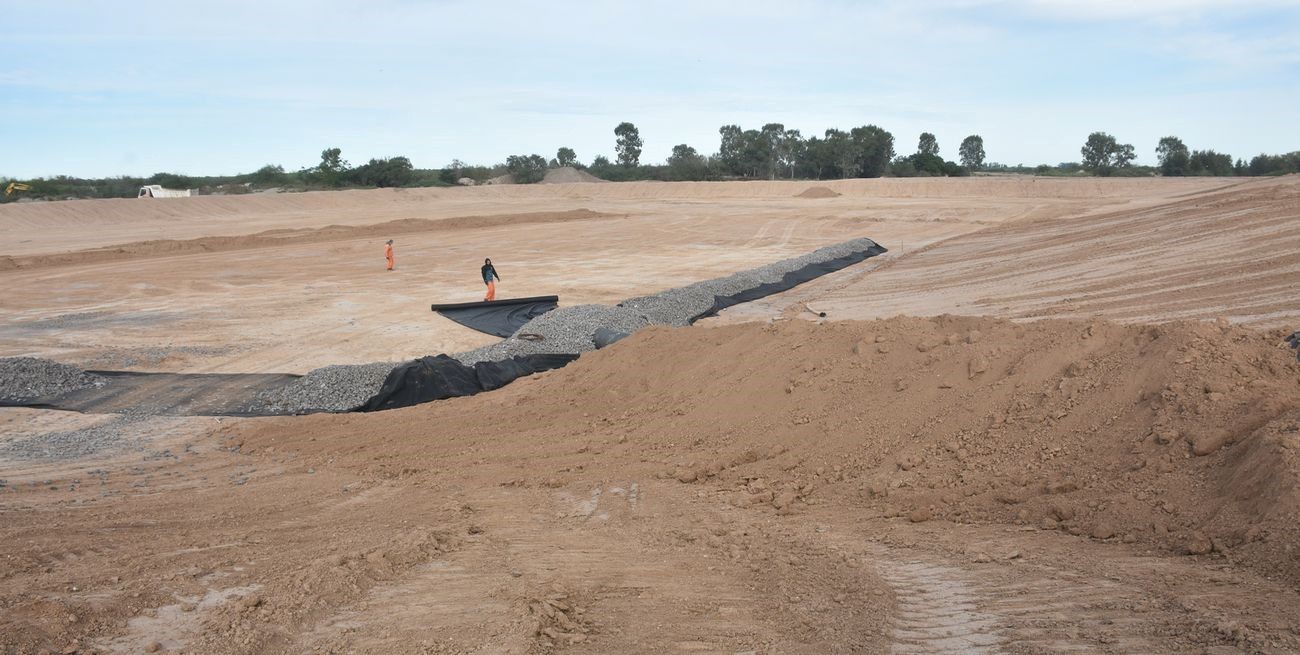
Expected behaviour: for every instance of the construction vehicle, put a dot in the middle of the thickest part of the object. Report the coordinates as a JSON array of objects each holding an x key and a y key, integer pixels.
[
  {"x": 156, "y": 191},
  {"x": 16, "y": 186}
]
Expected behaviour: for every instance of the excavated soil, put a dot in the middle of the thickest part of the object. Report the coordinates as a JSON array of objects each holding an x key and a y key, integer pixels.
[
  {"x": 915, "y": 485},
  {"x": 817, "y": 192},
  {"x": 1080, "y": 436}
]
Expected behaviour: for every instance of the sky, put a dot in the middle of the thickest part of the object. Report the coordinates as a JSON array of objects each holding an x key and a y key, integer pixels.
[{"x": 91, "y": 88}]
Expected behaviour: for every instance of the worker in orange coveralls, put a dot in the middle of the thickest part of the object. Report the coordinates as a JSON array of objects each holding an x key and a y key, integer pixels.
[
  {"x": 490, "y": 272},
  {"x": 388, "y": 253}
]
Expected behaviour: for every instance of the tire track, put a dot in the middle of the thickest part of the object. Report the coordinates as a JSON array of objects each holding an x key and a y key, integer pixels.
[
  {"x": 1012, "y": 606},
  {"x": 938, "y": 611}
]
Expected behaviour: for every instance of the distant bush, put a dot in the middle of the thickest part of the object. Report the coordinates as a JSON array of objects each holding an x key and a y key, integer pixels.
[
  {"x": 391, "y": 172},
  {"x": 1274, "y": 164},
  {"x": 1209, "y": 162},
  {"x": 526, "y": 169},
  {"x": 269, "y": 176}
]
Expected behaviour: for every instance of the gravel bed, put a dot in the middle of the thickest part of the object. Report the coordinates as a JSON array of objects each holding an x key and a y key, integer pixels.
[
  {"x": 568, "y": 330},
  {"x": 31, "y": 377},
  {"x": 72, "y": 444},
  {"x": 339, "y": 388},
  {"x": 680, "y": 305}
]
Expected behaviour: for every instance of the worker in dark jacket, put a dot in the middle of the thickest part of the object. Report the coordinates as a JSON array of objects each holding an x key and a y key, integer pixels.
[{"x": 490, "y": 278}]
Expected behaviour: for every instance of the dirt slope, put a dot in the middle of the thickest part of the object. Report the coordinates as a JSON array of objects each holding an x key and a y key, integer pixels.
[
  {"x": 925, "y": 485},
  {"x": 283, "y": 237},
  {"x": 1233, "y": 253}
]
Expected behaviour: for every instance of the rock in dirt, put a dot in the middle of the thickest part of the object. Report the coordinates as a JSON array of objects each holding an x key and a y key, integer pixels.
[
  {"x": 1198, "y": 544},
  {"x": 1210, "y": 442},
  {"x": 920, "y": 515},
  {"x": 1103, "y": 531},
  {"x": 1062, "y": 512}
]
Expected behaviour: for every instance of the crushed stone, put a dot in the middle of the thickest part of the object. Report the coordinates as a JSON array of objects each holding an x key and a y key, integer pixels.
[
  {"x": 22, "y": 378},
  {"x": 117, "y": 433},
  {"x": 337, "y": 388}
]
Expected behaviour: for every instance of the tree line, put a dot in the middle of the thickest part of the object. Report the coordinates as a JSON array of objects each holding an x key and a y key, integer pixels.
[
  {"x": 775, "y": 152},
  {"x": 769, "y": 152}
]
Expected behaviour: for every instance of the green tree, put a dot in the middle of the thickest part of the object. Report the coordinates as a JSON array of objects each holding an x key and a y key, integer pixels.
[
  {"x": 627, "y": 145},
  {"x": 1209, "y": 162},
  {"x": 769, "y": 148},
  {"x": 790, "y": 150},
  {"x": 972, "y": 152},
  {"x": 566, "y": 157},
  {"x": 873, "y": 148},
  {"x": 1102, "y": 154},
  {"x": 842, "y": 153},
  {"x": 1125, "y": 155},
  {"x": 687, "y": 164},
  {"x": 332, "y": 167},
  {"x": 452, "y": 173},
  {"x": 268, "y": 176},
  {"x": 168, "y": 180},
  {"x": 526, "y": 169},
  {"x": 730, "y": 149},
  {"x": 925, "y": 164},
  {"x": 927, "y": 144},
  {"x": 1274, "y": 164},
  {"x": 391, "y": 172},
  {"x": 1174, "y": 156}
]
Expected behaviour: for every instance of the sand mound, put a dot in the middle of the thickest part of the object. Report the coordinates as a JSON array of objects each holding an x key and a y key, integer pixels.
[
  {"x": 569, "y": 175},
  {"x": 564, "y": 175},
  {"x": 1182, "y": 437},
  {"x": 817, "y": 192}
]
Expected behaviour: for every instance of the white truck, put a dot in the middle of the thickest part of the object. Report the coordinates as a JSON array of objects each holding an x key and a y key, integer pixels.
[{"x": 156, "y": 191}]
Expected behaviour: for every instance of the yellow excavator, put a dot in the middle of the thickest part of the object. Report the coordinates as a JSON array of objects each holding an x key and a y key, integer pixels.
[{"x": 16, "y": 186}]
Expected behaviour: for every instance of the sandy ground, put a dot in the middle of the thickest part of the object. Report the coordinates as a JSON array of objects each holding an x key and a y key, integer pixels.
[
  {"x": 1231, "y": 252},
  {"x": 911, "y": 485}
]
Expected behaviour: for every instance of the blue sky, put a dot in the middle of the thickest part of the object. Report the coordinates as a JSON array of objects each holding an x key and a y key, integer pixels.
[{"x": 205, "y": 88}]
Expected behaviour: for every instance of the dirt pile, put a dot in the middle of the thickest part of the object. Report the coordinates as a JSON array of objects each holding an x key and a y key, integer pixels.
[
  {"x": 791, "y": 487},
  {"x": 1185, "y": 437},
  {"x": 817, "y": 192},
  {"x": 569, "y": 175}
]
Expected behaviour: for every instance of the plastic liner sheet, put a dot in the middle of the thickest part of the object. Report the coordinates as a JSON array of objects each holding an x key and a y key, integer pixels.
[
  {"x": 439, "y": 377},
  {"x": 791, "y": 280},
  {"x": 501, "y": 318}
]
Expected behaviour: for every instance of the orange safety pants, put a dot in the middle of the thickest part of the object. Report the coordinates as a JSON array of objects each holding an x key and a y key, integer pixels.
[{"x": 491, "y": 290}]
